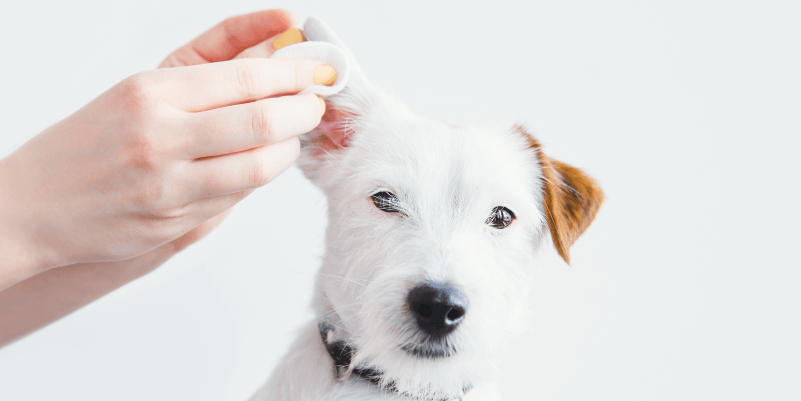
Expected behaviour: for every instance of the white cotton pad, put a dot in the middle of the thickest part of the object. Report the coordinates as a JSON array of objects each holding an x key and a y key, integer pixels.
[{"x": 326, "y": 52}]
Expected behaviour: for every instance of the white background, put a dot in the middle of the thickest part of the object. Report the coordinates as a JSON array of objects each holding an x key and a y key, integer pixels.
[{"x": 686, "y": 287}]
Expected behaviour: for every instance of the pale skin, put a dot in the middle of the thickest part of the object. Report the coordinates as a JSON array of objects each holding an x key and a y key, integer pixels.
[{"x": 147, "y": 168}]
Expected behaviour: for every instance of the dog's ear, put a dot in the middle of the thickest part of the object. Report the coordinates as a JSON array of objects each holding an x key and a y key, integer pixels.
[
  {"x": 570, "y": 199},
  {"x": 334, "y": 132},
  {"x": 343, "y": 110},
  {"x": 344, "y": 107}
]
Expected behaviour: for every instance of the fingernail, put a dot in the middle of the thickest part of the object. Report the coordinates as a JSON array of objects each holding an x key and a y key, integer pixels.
[
  {"x": 323, "y": 103},
  {"x": 325, "y": 75},
  {"x": 289, "y": 37}
]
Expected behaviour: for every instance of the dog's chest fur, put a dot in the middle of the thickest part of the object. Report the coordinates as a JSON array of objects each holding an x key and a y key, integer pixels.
[{"x": 308, "y": 359}]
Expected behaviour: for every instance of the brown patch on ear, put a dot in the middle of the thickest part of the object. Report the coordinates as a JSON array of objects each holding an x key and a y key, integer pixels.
[{"x": 571, "y": 199}]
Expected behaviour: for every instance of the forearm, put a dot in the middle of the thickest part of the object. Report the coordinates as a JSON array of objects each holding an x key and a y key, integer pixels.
[
  {"x": 18, "y": 260},
  {"x": 46, "y": 297},
  {"x": 16, "y": 263}
]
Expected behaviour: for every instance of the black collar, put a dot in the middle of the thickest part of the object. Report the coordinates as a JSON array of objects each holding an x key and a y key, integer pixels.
[{"x": 342, "y": 354}]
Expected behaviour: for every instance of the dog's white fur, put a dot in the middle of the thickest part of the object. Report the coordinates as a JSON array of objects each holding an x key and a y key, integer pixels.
[{"x": 448, "y": 180}]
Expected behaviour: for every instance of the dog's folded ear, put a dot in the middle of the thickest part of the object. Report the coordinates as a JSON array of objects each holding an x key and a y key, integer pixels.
[{"x": 570, "y": 199}]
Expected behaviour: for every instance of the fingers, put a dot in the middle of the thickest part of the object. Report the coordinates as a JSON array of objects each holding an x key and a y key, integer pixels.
[
  {"x": 241, "y": 171},
  {"x": 246, "y": 126},
  {"x": 209, "y": 86},
  {"x": 268, "y": 47},
  {"x": 231, "y": 37}
]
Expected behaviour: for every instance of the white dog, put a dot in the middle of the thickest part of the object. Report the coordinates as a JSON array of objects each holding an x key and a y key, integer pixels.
[{"x": 432, "y": 238}]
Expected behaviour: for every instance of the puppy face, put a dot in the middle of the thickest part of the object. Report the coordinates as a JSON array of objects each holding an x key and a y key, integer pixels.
[{"x": 433, "y": 232}]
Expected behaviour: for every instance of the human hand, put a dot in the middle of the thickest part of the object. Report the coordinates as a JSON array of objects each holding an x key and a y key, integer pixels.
[
  {"x": 160, "y": 153},
  {"x": 217, "y": 44}
]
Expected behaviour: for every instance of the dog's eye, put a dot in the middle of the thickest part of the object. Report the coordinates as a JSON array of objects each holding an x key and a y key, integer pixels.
[
  {"x": 500, "y": 217},
  {"x": 386, "y": 201}
]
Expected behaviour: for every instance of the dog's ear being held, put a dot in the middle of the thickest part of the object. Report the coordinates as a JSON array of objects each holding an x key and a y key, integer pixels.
[
  {"x": 570, "y": 198},
  {"x": 343, "y": 110}
]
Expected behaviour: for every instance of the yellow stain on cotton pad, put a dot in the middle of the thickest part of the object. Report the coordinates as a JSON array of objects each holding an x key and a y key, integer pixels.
[
  {"x": 289, "y": 37},
  {"x": 325, "y": 75}
]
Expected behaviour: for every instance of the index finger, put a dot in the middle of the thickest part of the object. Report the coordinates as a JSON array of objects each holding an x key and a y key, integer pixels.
[
  {"x": 210, "y": 86},
  {"x": 231, "y": 37}
]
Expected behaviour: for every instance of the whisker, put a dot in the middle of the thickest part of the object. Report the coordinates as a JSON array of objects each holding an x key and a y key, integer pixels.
[{"x": 343, "y": 278}]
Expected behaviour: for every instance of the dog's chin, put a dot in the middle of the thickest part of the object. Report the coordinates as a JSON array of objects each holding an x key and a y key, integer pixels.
[
  {"x": 434, "y": 377},
  {"x": 424, "y": 368},
  {"x": 429, "y": 351}
]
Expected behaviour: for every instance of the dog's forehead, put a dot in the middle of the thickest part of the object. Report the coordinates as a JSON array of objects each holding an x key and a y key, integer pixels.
[{"x": 423, "y": 158}]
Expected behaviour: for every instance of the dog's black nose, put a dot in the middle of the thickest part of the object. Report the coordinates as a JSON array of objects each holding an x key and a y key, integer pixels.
[{"x": 437, "y": 307}]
